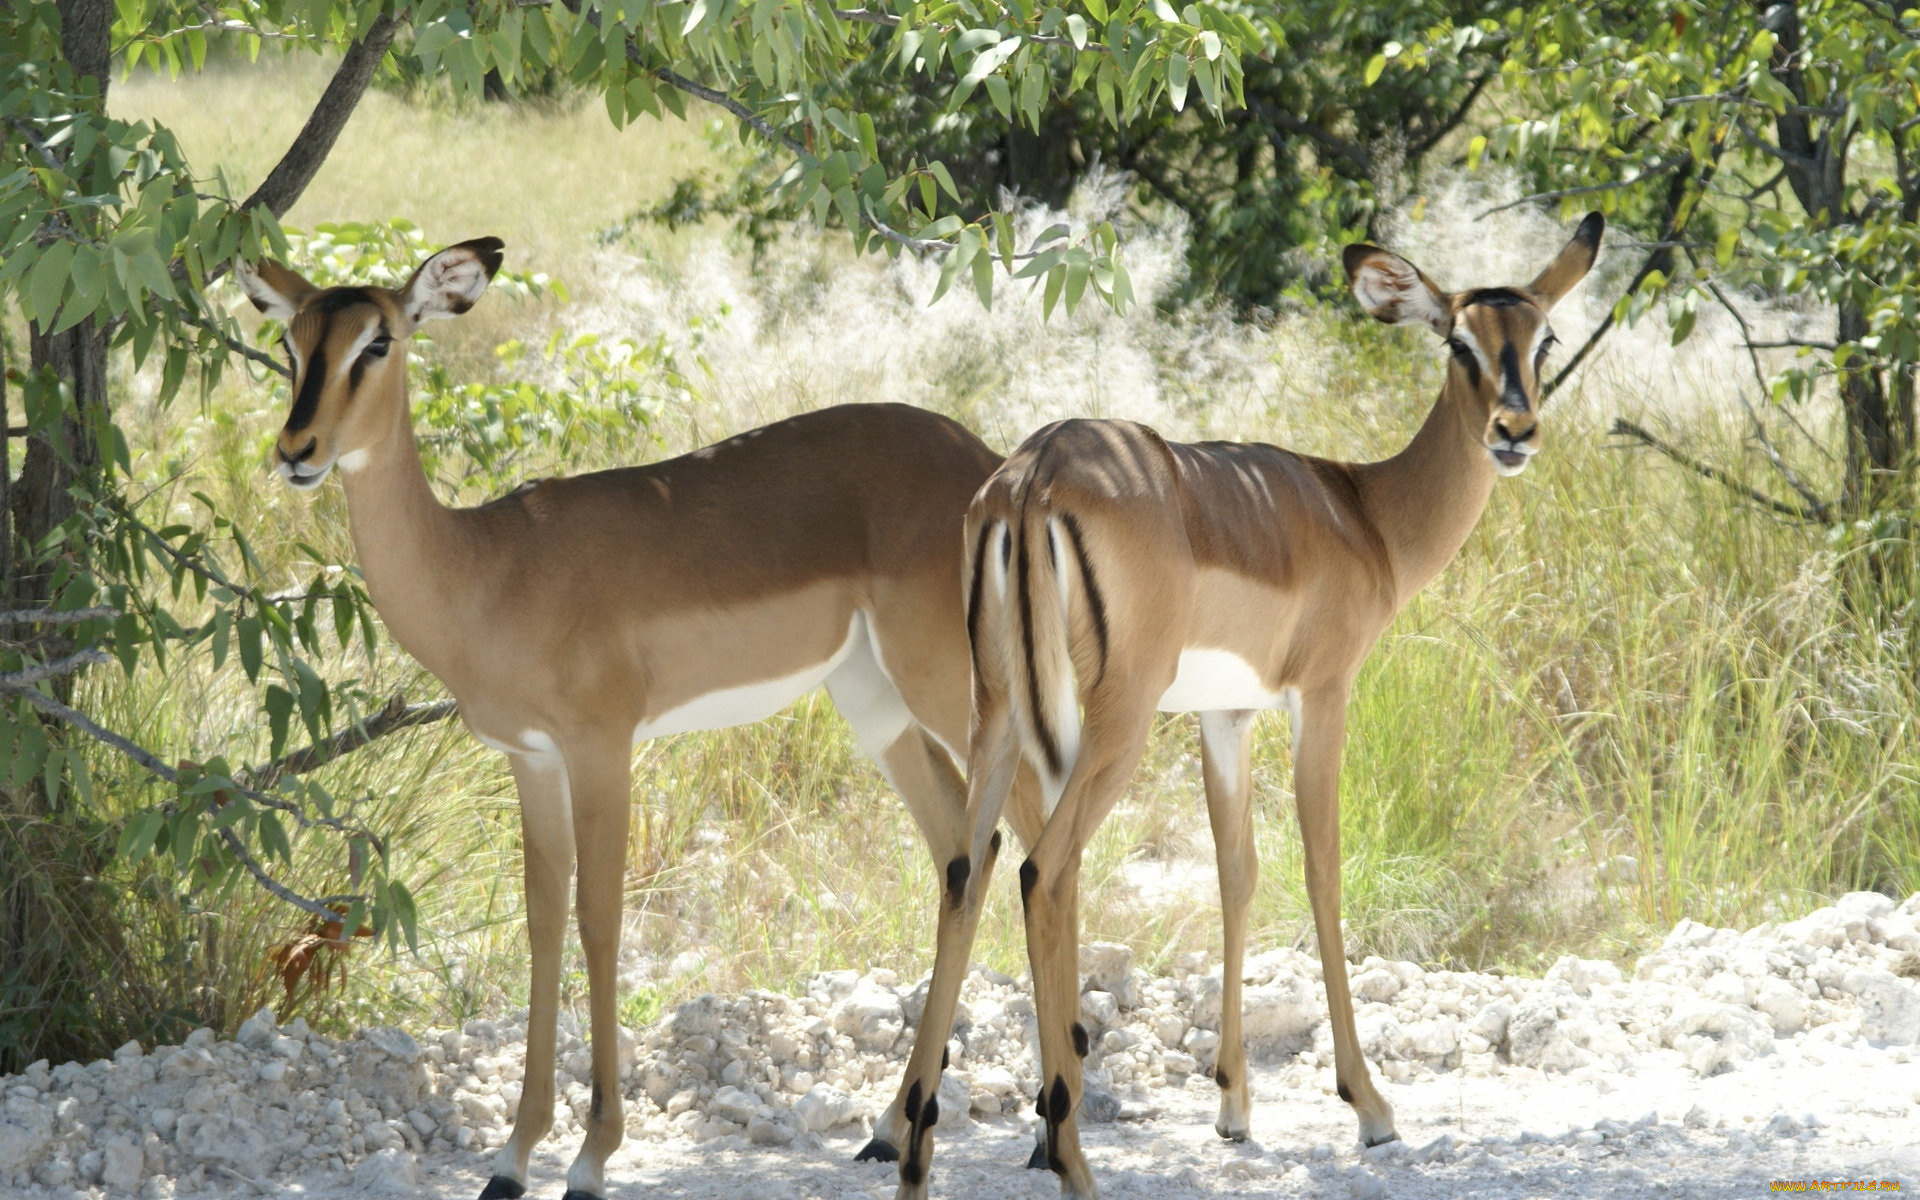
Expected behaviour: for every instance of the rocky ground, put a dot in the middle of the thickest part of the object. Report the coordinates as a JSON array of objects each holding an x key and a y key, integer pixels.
[{"x": 1723, "y": 1061}]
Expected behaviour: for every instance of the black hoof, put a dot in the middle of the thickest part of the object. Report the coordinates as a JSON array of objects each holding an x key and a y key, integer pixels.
[
  {"x": 502, "y": 1188},
  {"x": 878, "y": 1150},
  {"x": 1037, "y": 1161},
  {"x": 577, "y": 1194},
  {"x": 1392, "y": 1137}
]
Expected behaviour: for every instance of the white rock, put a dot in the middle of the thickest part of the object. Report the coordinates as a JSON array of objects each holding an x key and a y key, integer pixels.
[
  {"x": 1108, "y": 967},
  {"x": 871, "y": 1016},
  {"x": 122, "y": 1163},
  {"x": 732, "y": 1104},
  {"x": 390, "y": 1172},
  {"x": 1785, "y": 1005},
  {"x": 1889, "y": 1005},
  {"x": 257, "y": 1030},
  {"x": 822, "y": 1108}
]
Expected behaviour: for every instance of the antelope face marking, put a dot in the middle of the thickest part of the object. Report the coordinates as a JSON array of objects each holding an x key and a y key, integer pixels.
[
  {"x": 341, "y": 343},
  {"x": 346, "y": 346},
  {"x": 1498, "y": 345},
  {"x": 1497, "y": 338}
]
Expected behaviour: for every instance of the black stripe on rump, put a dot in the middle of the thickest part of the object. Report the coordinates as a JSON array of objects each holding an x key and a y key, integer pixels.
[
  {"x": 1048, "y": 748},
  {"x": 973, "y": 594},
  {"x": 1095, "y": 600}
]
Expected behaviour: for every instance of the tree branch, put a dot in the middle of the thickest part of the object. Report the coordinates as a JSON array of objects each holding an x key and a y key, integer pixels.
[
  {"x": 26, "y": 677},
  {"x": 1815, "y": 505},
  {"x": 1452, "y": 122},
  {"x": 1287, "y": 121},
  {"x": 297, "y": 167},
  {"x": 1653, "y": 172},
  {"x": 748, "y": 117},
  {"x": 396, "y": 716},
  {"x": 250, "y": 353},
  {"x": 890, "y": 21},
  {"x": 50, "y": 616},
  {"x": 1623, "y": 426}
]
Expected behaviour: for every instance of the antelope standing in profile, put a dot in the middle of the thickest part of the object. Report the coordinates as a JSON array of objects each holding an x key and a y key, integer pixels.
[
  {"x": 1112, "y": 575},
  {"x": 574, "y": 617}
]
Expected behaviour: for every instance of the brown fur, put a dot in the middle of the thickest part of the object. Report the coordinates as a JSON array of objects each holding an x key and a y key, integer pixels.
[
  {"x": 581, "y": 608},
  {"x": 1293, "y": 564}
]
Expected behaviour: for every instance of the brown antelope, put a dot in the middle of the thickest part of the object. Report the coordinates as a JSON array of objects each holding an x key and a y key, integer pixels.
[
  {"x": 574, "y": 617},
  {"x": 1112, "y": 575}
]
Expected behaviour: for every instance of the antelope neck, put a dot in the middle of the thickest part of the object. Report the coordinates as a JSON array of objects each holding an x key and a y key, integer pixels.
[
  {"x": 408, "y": 543},
  {"x": 1426, "y": 499}
]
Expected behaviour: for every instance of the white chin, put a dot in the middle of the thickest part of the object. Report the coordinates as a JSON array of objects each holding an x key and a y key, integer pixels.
[{"x": 302, "y": 478}]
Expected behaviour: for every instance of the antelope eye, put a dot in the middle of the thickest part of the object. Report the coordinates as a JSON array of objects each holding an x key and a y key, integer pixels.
[
  {"x": 378, "y": 347},
  {"x": 1459, "y": 347}
]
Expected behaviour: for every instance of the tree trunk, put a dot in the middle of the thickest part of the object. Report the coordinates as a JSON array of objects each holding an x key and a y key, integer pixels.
[
  {"x": 1879, "y": 427},
  {"x": 68, "y": 453}
]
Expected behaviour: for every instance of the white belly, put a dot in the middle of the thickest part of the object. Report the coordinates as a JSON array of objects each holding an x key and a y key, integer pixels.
[
  {"x": 1217, "y": 680},
  {"x": 749, "y": 702}
]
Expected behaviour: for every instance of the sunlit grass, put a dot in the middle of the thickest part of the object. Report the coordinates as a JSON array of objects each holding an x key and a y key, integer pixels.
[{"x": 1622, "y": 662}]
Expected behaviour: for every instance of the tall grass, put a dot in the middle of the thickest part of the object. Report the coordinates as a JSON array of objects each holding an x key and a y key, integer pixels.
[{"x": 1625, "y": 663}]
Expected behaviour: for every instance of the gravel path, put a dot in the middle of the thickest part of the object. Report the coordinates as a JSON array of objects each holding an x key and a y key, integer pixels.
[{"x": 1724, "y": 1061}]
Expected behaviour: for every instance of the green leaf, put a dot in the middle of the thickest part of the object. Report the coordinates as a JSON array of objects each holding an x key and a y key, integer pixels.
[
  {"x": 1375, "y": 65},
  {"x": 137, "y": 836},
  {"x": 49, "y": 282},
  {"x": 1097, "y": 9},
  {"x": 1726, "y": 244}
]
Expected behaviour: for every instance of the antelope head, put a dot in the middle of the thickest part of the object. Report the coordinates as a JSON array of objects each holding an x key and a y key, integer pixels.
[
  {"x": 347, "y": 347},
  {"x": 1497, "y": 337}
]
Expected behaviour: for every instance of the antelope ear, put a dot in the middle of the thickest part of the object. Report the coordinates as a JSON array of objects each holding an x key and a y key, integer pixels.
[
  {"x": 1396, "y": 291},
  {"x": 274, "y": 290},
  {"x": 1572, "y": 264},
  {"x": 449, "y": 283}
]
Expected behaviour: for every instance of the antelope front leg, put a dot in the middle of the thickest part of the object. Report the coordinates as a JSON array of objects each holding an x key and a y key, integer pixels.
[
  {"x": 1225, "y": 753},
  {"x": 1316, "y": 772},
  {"x": 602, "y": 784},
  {"x": 546, "y": 836}
]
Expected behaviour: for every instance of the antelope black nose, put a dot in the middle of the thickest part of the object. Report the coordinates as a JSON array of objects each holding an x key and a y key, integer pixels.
[
  {"x": 1500, "y": 427},
  {"x": 305, "y": 453}
]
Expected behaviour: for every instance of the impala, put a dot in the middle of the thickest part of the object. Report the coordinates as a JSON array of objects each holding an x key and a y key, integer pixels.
[
  {"x": 574, "y": 617},
  {"x": 1112, "y": 575}
]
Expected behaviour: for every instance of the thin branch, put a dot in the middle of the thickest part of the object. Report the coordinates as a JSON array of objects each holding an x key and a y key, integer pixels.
[
  {"x": 250, "y": 353},
  {"x": 1817, "y": 506},
  {"x": 890, "y": 21},
  {"x": 396, "y": 716},
  {"x": 26, "y": 677},
  {"x": 1792, "y": 344},
  {"x": 151, "y": 762},
  {"x": 751, "y": 119},
  {"x": 1623, "y": 426},
  {"x": 322, "y": 908},
  {"x": 297, "y": 167},
  {"x": 1653, "y": 172},
  {"x": 51, "y": 616},
  {"x": 85, "y": 724},
  {"x": 1453, "y": 122}
]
